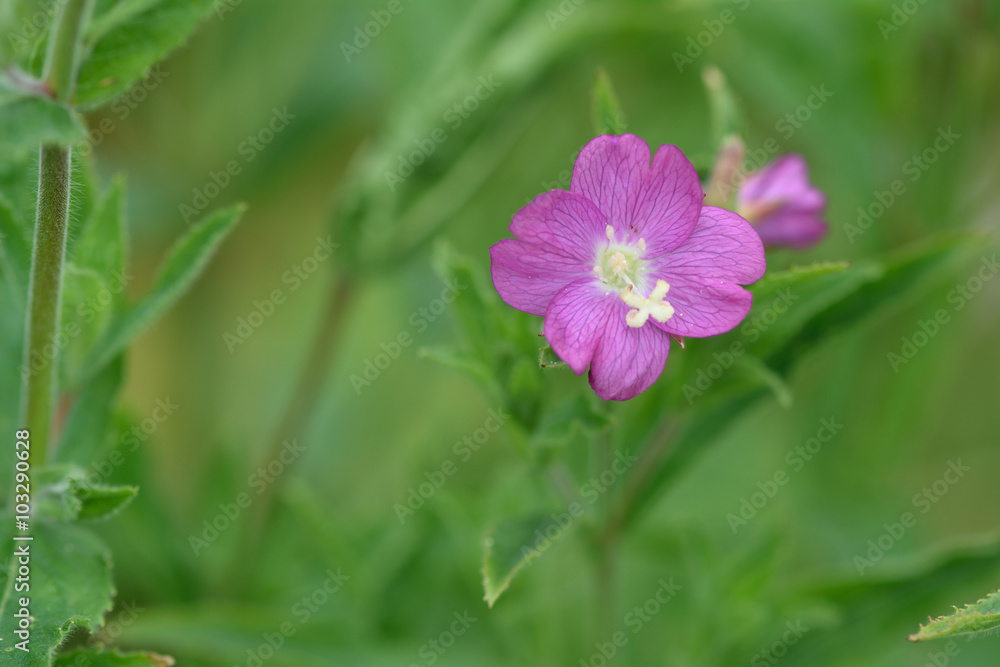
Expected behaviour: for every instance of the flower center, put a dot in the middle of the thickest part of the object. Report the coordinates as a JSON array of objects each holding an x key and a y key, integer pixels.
[{"x": 620, "y": 267}]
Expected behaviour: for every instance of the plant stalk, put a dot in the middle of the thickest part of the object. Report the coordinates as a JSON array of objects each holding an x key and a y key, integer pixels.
[{"x": 41, "y": 350}]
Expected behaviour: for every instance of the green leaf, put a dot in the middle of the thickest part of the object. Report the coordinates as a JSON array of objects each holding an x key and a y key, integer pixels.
[
  {"x": 508, "y": 548},
  {"x": 608, "y": 116},
  {"x": 180, "y": 269},
  {"x": 27, "y": 122},
  {"x": 726, "y": 117},
  {"x": 547, "y": 359},
  {"x": 89, "y": 422},
  {"x": 94, "y": 280},
  {"x": 99, "y": 502},
  {"x": 971, "y": 619},
  {"x": 457, "y": 360},
  {"x": 15, "y": 254},
  {"x": 129, "y": 40},
  {"x": 100, "y": 244},
  {"x": 578, "y": 414},
  {"x": 70, "y": 588},
  {"x": 62, "y": 493},
  {"x": 93, "y": 657}
]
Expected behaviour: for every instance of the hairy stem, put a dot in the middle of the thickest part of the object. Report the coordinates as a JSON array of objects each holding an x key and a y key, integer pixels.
[{"x": 41, "y": 353}]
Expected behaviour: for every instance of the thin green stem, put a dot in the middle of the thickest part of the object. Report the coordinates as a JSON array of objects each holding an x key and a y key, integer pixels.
[
  {"x": 63, "y": 57},
  {"x": 41, "y": 350}
]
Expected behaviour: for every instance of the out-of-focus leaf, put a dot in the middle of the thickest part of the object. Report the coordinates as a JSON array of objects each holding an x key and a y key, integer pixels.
[
  {"x": 577, "y": 414},
  {"x": 981, "y": 616},
  {"x": 28, "y": 122},
  {"x": 89, "y": 422},
  {"x": 459, "y": 361},
  {"x": 70, "y": 588},
  {"x": 182, "y": 266},
  {"x": 608, "y": 116},
  {"x": 93, "y": 657},
  {"x": 726, "y": 117},
  {"x": 130, "y": 39},
  {"x": 99, "y": 502},
  {"x": 15, "y": 254},
  {"x": 95, "y": 280},
  {"x": 511, "y": 546}
]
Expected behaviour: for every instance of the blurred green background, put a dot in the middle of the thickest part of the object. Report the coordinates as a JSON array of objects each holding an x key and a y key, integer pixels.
[{"x": 334, "y": 506}]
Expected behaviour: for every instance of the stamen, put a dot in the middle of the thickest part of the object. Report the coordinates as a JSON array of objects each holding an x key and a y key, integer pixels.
[
  {"x": 609, "y": 231},
  {"x": 642, "y": 245},
  {"x": 645, "y": 307}
]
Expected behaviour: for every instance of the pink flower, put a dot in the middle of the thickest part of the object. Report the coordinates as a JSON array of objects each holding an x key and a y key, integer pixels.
[
  {"x": 781, "y": 204},
  {"x": 625, "y": 259}
]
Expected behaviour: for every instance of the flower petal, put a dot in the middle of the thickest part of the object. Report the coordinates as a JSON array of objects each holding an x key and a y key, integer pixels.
[
  {"x": 659, "y": 203},
  {"x": 723, "y": 247},
  {"x": 527, "y": 276},
  {"x": 792, "y": 228},
  {"x": 786, "y": 180},
  {"x": 575, "y": 321},
  {"x": 627, "y": 360},
  {"x": 563, "y": 222}
]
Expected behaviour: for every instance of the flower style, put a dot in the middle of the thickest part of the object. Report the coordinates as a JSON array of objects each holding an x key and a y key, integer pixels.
[
  {"x": 783, "y": 207},
  {"x": 626, "y": 258}
]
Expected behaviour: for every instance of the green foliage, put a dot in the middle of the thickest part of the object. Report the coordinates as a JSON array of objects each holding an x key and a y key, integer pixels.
[
  {"x": 608, "y": 115},
  {"x": 127, "y": 39},
  {"x": 99, "y": 658},
  {"x": 179, "y": 270},
  {"x": 70, "y": 588},
  {"x": 980, "y": 617}
]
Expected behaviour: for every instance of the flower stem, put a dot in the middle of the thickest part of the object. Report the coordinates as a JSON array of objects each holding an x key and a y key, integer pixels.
[
  {"x": 63, "y": 57},
  {"x": 49, "y": 251}
]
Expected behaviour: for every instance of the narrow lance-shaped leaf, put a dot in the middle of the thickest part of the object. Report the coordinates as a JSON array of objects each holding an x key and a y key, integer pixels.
[
  {"x": 128, "y": 42},
  {"x": 182, "y": 266},
  {"x": 509, "y": 548},
  {"x": 608, "y": 116},
  {"x": 982, "y": 616}
]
